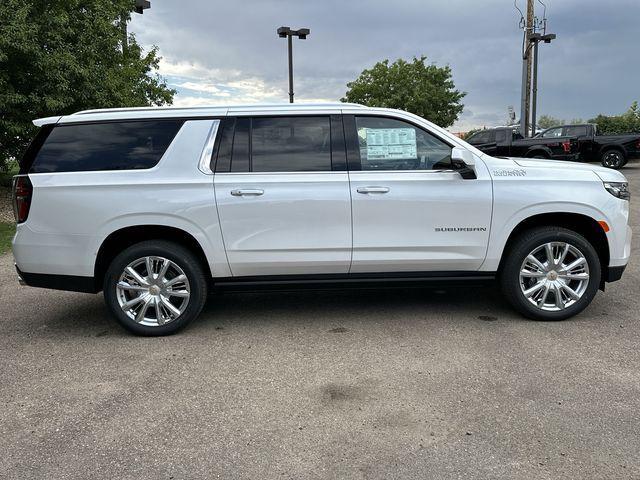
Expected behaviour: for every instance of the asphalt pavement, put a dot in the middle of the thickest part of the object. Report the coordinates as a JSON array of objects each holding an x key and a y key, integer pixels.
[{"x": 364, "y": 384}]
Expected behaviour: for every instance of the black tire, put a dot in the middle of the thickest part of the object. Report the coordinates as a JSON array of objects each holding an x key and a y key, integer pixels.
[
  {"x": 182, "y": 258},
  {"x": 613, "y": 158},
  {"x": 526, "y": 243}
]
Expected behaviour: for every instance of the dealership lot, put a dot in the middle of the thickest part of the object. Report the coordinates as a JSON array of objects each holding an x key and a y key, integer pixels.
[{"x": 399, "y": 383}]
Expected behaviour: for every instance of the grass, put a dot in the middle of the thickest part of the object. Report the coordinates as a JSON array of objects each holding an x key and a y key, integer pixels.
[
  {"x": 6, "y": 235},
  {"x": 7, "y": 230}
]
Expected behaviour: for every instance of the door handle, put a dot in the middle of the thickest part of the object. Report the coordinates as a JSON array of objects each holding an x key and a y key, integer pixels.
[
  {"x": 373, "y": 189},
  {"x": 250, "y": 192}
]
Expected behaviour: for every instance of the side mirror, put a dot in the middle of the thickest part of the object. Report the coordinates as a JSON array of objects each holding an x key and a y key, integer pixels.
[{"x": 463, "y": 162}]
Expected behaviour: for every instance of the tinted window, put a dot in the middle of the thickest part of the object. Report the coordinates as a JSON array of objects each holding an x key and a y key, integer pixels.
[
  {"x": 291, "y": 144},
  {"x": 389, "y": 144},
  {"x": 577, "y": 131},
  {"x": 34, "y": 147},
  {"x": 501, "y": 136},
  {"x": 480, "y": 137},
  {"x": 105, "y": 146},
  {"x": 552, "y": 132}
]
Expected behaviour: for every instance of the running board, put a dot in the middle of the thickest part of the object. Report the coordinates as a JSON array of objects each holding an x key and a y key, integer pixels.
[{"x": 350, "y": 280}]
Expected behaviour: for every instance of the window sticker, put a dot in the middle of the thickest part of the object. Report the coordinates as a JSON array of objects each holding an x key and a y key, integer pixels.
[{"x": 391, "y": 143}]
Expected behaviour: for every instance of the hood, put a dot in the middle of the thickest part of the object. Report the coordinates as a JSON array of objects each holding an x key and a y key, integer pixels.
[{"x": 605, "y": 174}]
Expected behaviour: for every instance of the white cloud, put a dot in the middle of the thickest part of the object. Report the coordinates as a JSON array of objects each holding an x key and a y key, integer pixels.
[{"x": 204, "y": 88}]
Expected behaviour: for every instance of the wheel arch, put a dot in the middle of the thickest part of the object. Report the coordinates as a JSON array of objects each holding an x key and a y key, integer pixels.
[
  {"x": 538, "y": 150},
  {"x": 579, "y": 223},
  {"x": 125, "y": 237},
  {"x": 606, "y": 148}
]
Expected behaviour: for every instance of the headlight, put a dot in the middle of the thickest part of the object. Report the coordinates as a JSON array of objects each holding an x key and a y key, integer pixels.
[{"x": 618, "y": 189}]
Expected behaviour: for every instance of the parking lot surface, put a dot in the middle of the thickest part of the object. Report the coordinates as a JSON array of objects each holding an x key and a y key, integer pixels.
[{"x": 398, "y": 383}]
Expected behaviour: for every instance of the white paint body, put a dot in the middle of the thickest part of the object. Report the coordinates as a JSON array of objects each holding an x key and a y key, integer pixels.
[{"x": 308, "y": 223}]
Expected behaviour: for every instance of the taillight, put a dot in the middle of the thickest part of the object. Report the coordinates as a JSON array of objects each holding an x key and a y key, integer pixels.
[
  {"x": 638, "y": 144},
  {"x": 22, "y": 191},
  {"x": 566, "y": 145}
]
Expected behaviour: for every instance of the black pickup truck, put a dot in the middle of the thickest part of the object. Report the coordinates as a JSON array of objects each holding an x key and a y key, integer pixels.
[
  {"x": 613, "y": 151},
  {"x": 566, "y": 142},
  {"x": 507, "y": 142}
]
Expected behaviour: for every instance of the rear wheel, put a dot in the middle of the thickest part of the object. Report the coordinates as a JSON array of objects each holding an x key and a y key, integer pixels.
[
  {"x": 155, "y": 288},
  {"x": 613, "y": 159},
  {"x": 551, "y": 273}
]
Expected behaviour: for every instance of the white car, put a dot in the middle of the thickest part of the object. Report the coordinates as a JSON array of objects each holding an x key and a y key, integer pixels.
[{"x": 159, "y": 206}]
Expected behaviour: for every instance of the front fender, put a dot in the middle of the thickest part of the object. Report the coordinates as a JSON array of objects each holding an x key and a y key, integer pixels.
[{"x": 502, "y": 228}]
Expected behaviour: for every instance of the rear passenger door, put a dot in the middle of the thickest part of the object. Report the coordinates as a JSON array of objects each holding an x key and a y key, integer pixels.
[
  {"x": 282, "y": 193},
  {"x": 579, "y": 135}
]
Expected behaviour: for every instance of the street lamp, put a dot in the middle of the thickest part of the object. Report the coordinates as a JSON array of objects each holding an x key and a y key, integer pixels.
[
  {"x": 139, "y": 7},
  {"x": 286, "y": 32},
  {"x": 536, "y": 38}
]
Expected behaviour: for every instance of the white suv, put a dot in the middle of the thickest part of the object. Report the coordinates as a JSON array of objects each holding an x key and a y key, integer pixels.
[{"x": 159, "y": 206}]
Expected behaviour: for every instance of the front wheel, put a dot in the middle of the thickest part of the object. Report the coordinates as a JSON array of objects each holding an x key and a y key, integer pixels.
[
  {"x": 155, "y": 288},
  {"x": 551, "y": 273},
  {"x": 613, "y": 159}
]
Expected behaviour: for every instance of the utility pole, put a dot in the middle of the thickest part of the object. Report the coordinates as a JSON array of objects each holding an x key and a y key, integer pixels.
[
  {"x": 526, "y": 71},
  {"x": 536, "y": 38},
  {"x": 286, "y": 32}
]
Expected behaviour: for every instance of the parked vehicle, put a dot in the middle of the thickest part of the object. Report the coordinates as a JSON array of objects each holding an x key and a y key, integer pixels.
[
  {"x": 157, "y": 207},
  {"x": 508, "y": 142},
  {"x": 613, "y": 151}
]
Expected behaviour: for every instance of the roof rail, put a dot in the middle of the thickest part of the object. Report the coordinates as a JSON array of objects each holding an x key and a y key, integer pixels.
[{"x": 210, "y": 107}]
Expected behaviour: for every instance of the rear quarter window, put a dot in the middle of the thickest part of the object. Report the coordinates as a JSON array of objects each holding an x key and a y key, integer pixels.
[{"x": 128, "y": 145}]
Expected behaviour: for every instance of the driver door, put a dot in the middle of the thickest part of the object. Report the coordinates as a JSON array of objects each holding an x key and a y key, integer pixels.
[{"x": 411, "y": 210}]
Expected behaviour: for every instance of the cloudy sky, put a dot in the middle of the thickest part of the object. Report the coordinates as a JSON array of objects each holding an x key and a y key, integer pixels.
[{"x": 224, "y": 52}]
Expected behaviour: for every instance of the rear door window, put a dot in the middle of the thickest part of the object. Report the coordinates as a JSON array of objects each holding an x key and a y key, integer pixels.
[
  {"x": 129, "y": 145},
  {"x": 575, "y": 131},
  {"x": 501, "y": 136},
  {"x": 290, "y": 144}
]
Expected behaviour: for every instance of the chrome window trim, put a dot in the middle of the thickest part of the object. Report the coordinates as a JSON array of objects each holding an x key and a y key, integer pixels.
[{"x": 336, "y": 172}]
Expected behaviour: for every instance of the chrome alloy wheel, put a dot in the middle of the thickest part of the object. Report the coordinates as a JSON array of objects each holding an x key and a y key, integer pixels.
[
  {"x": 153, "y": 291},
  {"x": 554, "y": 276}
]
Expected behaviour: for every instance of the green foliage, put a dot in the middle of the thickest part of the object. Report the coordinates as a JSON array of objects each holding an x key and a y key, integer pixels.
[
  {"x": 7, "y": 230},
  {"x": 547, "y": 121},
  {"x": 425, "y": 90},
  {"x": 628, "y": 122},
  {"x": 7, "y": 175},
  {"x": 61, "y": 56}
]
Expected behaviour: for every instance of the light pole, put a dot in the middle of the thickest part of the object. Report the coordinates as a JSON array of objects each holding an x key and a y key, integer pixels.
[
  {"x": 286, "y": 32},
  {"x": 139, "y": 7},
  {"x": 535, "y": 39}
]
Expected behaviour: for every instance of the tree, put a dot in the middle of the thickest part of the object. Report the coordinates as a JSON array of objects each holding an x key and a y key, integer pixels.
[
  {"x": 547, "y": 121},
  {"x": 628, "y": 122},
  {"x": 426, "y": 90},
  {"x": 57, "y": 57}
]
